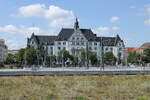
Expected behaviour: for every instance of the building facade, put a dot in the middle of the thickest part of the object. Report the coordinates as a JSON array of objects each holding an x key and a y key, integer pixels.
[
  {"x": 76, "y": 39},
  {"x": 144, "y": 46},
  {"x": 3, "y": 49}
]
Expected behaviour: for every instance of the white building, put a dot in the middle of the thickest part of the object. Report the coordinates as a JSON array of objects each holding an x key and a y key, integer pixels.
[
  {"x": 3, "y": 49},
  {"x": 76, "y": 39}
]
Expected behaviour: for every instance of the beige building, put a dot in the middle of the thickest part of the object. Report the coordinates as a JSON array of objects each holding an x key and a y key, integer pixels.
[
  {"x": 12, "y": 51},
  {"x": 143, "y": 47},
  {"x": 3, "y": 49}
]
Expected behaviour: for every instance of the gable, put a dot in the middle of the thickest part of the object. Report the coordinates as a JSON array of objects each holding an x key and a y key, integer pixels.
[
  {"x": 64, "y": 34},
  {"x": 77, "y": 36}
]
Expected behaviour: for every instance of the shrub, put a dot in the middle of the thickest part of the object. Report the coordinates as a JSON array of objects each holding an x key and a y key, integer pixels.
[
  {"x": 80, "y": 97},
  {"x": 142, "y": 98},
  {"x": 51, "y": 96}
]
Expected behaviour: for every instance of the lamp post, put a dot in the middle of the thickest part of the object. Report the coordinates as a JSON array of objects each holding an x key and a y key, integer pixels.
[
  {"x": 45, "y": 54},
  {"x": 62, "y": 59},
  {"x": 101, "y": 45},
  {"x": 87, "y": 56},
  {"x": 25, "y": 58}
]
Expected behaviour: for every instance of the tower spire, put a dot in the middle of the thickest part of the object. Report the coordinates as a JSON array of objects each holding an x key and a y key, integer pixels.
[{"x": 76, "y": 24}]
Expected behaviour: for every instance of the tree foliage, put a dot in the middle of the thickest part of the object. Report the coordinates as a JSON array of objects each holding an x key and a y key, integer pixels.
[
  {"x": 10, "y": 59},
  {"x": 31, "y": 57},
  {"x": 109, "y": 58},
  {"x": 20, "y": 56},
  {"x": 88, "y": 56},
  {"x": 133, "y": 57},
  {"x": 146, "y": 56}
]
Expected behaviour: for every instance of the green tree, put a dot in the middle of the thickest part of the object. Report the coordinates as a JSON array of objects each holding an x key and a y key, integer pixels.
[
  {"x": 133, "y": 57},
  {"x": 51, "y": 60},
  {"x": 20, "y": 56},
  {"x": 64, "y": 55},
  {"x": 41, "y": 54},
  {"x": 93, "y": 58},
  {"x": 109, "y": 58},
  {"x": 83, "y": 56},
  {"x": 31, "y": 57},
  {"x": 146, "y": 56},
  {"x": 90, "y": 55},
  {"x": 10, "y": 59}
]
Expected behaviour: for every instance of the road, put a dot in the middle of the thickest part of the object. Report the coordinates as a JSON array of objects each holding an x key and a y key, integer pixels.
[{"x": 75, "y": 71}]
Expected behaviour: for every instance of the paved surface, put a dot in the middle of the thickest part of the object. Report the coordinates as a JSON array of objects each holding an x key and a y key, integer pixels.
[{"x": 75, "y": 71}]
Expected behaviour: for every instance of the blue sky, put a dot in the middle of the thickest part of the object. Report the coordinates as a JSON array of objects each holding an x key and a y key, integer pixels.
[{"x": 128, "y": 18}]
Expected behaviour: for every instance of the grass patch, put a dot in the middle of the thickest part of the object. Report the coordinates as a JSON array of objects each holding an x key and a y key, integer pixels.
[
  {"x": 98, "y": 87},
  {"x": 51, "y": 96}
]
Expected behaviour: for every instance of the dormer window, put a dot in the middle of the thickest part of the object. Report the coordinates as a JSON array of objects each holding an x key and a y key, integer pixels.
[{"x": 73, "y": 38}]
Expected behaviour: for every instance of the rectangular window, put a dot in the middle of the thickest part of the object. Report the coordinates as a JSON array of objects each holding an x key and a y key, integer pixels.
[
  {"x": 120, "y": 49},
  {"x": 64, "y": 43},
  {"x": 64, "y": 48},
  {"x": 59, "y": 43},
  {"x": 95, "y": 43},
  {"x": 106, "y": 49},
  {"x": 82, "y": 43},
  {"x": 90, "y": 43},
  {"x": 77, "y": 43},
  {"x": 59, "y": 48},
  {"x": 111, "y": 49},
  {"x": 73, "y": 43}
]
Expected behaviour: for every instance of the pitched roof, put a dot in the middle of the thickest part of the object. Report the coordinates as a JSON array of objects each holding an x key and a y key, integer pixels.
[
  {"x": 44, "y": 39},
  {"x": 130, "y": 49},
  {"x": 109, "y": 41},
  {"x": 145, "y": 45},
  {"x": 90, "y": 36},
  {"x": 66, "y": 33}
]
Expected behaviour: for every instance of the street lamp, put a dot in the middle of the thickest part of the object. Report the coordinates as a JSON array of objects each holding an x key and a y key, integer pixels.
[
  {"x": 87, "y": 57},
  {"x": 101, "y": 45}
]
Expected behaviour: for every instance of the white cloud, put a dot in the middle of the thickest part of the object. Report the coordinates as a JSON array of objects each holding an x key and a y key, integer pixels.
[
  {"x": 32, "y": 10},
  {"x": 106, "y": 31},
  {"x": 19, "y": 31},
  {"x": 8, "y": 29},
  {"x": 103, "y": 29},
  {"x": 115, "y": 28},
  {"x": 57, "y": 16},
  {"x": 13, "y": 44},
  {"x": 114, "y": 19},
  {"x": 147, "y": 22},
  {"x": 26, "y": 31},
  {"x": 145, "y": 12}
]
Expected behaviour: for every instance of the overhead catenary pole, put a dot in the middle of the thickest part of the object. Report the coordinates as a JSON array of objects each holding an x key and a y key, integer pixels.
[
  {"x": 101, "y": 44},
  {"x": 87, "y": 57},
  {"x": 45, "y": 54}
]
